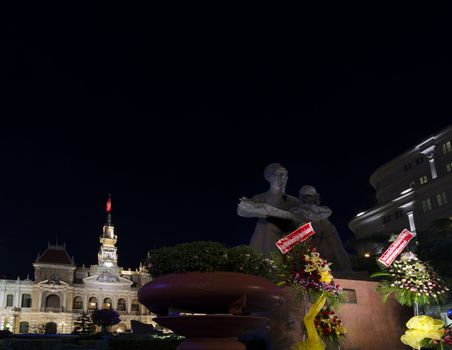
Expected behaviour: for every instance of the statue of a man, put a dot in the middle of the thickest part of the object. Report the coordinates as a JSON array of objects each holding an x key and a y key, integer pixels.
[
  {"x": 326, "y": 239},
  {"x": 272, "y": 209}
]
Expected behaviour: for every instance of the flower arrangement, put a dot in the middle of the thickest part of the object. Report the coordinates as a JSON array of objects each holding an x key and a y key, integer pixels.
[
  {"x": 425, "y": 331},
  {"x": 329, "y": 326},
  {"x": 205, "y": 256},
  {"x": 307, "y": 272},
  {"x": 411, "y": 281}
]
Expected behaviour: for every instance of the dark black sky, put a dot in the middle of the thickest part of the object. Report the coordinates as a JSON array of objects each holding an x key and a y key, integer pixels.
[{"x": 177, "y": 111}]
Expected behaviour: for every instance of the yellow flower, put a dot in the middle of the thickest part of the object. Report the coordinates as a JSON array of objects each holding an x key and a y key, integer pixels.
[
  {"x": 421, "y": 327},
  {"x": 326, "y": 277}
]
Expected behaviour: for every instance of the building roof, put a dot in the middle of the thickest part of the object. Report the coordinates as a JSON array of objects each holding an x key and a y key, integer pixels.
[{"x": 55, "y": 254}]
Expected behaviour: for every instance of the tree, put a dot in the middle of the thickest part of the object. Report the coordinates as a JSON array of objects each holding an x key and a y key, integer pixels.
[
  {"x": 434, "y": 247},
  {"x": 105, "y": 318},
  {"x": 83, "y": 324}
]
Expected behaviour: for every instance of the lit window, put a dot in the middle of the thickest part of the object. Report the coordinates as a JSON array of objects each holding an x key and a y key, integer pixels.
[
  {"x": 426, "y": 205},
  {"x": 441, "y": 199},
  {"x": 449, "y": 167},
  {"x": 423, "y": 179},
  {"x": 447, "y": 147}
]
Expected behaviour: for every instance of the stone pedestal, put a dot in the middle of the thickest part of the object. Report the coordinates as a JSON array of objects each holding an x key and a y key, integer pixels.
[{"x": 370, "y": 323}]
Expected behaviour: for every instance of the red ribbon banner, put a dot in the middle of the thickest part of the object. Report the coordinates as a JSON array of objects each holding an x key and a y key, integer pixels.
[
  {"x": 396, "y": 247},
  {"x": 296, "y": 237}
]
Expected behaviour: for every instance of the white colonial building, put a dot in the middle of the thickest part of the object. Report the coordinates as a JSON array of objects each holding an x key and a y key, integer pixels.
[
  {"x": 412, "y": 190},
  {"x": 61, "y": 291}
]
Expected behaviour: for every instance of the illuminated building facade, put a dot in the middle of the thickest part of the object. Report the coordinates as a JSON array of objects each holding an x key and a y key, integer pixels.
[
  {"x": 61, "y": 291},
  {"x": 412, "y": 190}
]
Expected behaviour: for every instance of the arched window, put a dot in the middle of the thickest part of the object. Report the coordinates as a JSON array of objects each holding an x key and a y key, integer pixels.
[
  {"x": 26, "y": 300},
  {"x": 53, "y": 301},
  {"x": 92, "y": 303},
  {"x": 23, "y": 327},
  {"x": 107, "y": 303},
  {"x": 135, "y": 306},
  {"x": 50, "y": 328},
  {"x": 9, "y": 300},
  {"x": 121, "y": 304},
  {"x": 78, "y": 303}
]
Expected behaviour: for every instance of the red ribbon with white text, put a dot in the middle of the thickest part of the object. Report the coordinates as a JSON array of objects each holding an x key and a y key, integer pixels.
[
  {"x": 396, "y": 247},
  {"x": 296, "y": 237}
]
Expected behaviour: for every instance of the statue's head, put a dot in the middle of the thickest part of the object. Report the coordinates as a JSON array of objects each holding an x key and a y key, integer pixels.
[
  {"x": 309, "y": 195},
  {"x": 276, "y": 174}
]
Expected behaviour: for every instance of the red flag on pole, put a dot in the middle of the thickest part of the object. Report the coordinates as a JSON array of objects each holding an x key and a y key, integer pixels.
[{"x": 108, "y": 207}]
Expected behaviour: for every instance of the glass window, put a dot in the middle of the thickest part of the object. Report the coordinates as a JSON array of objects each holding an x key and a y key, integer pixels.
[
  {"x": 447, "y": 147},
  {"x": 426, "y": 205},
  {"x": 9, "y": 300},
  {"x": 78, "y": 303},
  {"x": 423, "y": 179},
  {"x": 92, "y": 303},
  {"x": 135, "y": 306},
  {"x": 121, "y": 304},
  {"x": 26, "y": 300},
  {"x": 449, "y": 167},
  {"x": 23, "y": 327},
  {"x": 107, "y": 303},
  {"x": 441, "y": 199}
]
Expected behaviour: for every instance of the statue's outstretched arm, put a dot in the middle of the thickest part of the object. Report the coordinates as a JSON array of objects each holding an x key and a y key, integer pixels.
[{"x": 251, "y": 209}]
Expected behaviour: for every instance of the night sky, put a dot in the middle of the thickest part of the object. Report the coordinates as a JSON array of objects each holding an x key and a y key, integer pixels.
[{"x": 177, "y": 111}]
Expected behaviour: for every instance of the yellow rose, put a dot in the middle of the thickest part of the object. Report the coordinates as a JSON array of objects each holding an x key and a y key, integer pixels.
[{"x": 326, "y": 277}]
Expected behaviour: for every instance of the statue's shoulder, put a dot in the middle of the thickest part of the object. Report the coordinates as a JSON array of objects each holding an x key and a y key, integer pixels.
[
  {"x": 293, "y": 201},
  {"x": 259, "y": 197}
]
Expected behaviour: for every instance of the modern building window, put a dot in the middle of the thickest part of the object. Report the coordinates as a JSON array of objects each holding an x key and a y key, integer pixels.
[
  {"x": 441, "y": 199},
  {"x": 449, "y": 167},
  {"x": 92, "y": 303},
  {"x": 9, "y": 300},
  {"x": 121, "y": 304},
  {"x": 26, "y": 300},
  {"x": 423, "y": 179},
  {"x": 426, "y": 205},
  {"x": 23, "y": 327},
  {"x": 447, "y": 147},
  {"x": 77, "y": 303}
]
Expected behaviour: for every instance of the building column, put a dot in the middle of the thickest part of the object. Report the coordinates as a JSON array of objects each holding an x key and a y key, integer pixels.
[
  {"x": 429, "y": 153},
  {"x": 411, "y": 221},
  {"x": 40, "y": 301},
  {"x": 85, "y": 303},
  {"x": 64, "y": 301}
]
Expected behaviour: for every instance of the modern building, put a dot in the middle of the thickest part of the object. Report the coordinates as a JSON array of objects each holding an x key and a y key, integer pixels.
[
  {"x": 61, "y": 291},
  {"x": 412, "y": 190}
]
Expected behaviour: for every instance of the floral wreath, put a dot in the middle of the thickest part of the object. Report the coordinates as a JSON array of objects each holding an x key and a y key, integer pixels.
[{"x": 411, "y": 281}]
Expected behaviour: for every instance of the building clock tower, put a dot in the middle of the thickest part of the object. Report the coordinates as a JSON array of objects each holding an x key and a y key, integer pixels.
[{"x": 107, "y": 256}]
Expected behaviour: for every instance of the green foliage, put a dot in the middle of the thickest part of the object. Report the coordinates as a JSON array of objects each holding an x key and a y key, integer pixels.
[
  {"x": 411, "y": 281},
  {"x": 204, "y": 256}
]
